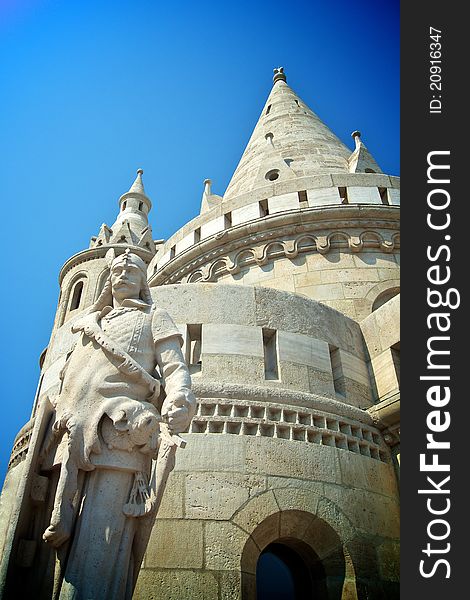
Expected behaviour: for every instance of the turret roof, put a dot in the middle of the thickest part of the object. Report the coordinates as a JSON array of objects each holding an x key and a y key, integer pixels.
[
  {"x": 288, "y": 141},
  {"x": 131, "y": 226}
]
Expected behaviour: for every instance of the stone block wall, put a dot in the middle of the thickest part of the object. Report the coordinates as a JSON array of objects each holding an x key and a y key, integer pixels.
[
  {"x": 273, "y": 461},
  {"x": 233, "y": 320},
  {"x": 382, "y": 339},
  {"x": 349, "y": 282},
  {"x": 231, "y": 496}
]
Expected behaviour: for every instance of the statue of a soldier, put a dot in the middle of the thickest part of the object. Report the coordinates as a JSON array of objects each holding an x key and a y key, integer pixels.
[{"x": 110, "y": 425}]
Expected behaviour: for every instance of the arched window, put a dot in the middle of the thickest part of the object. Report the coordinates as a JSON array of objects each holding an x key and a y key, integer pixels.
[{"x": 77, "y": 295}]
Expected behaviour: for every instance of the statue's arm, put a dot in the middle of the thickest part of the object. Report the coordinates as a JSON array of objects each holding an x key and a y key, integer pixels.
[{"x": 180, "y": 404}]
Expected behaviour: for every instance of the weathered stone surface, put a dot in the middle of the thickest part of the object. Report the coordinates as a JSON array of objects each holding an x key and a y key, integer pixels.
[
  {"x": 361, "y": 180},
  {"x": 206, "y": 303},
  {"x": 258, "y": 274},
  {"x": 307, "y": 280},
  {"x": 209, "y": 452},
  {"x": 176, "y": 585},
  {"x": 292, "y": 523},
  {"x": 224, "y": 545},
  {"x": 283, "y": 202},
  {"x": 266, "y": 532},
  {"x": 290, "y": 266},
  {"x": 375, "y": 259},
  {"x": 363, "y": 195},
  {"x": 303, "y": 349},
  {"x": 218, "y": 496},
  {"x": 230, "y": 583},
  {"x": 380, "y": 478},
  {"x": 225, "y": 338},
  {"x": 172, "y": 501},
  {"x": 367, "y": 511},
  {"x": 234, "y": 368},
  {"x": 295, "y": 376},
  {"x": 175, "y": 544},
  {"x": 246, "y": 213},
  {"x": 382, "y": 328},
  {"x": 357, "y": 274},
  {"x": 304, "y": 497},
  {"x": 385, "y": 375},
  {"x": 334, "y": 517},
  {"x": 256, "y": 510},
  {"x": 7, "y": 501},
  {"x": 321, "y": 382},
  {"x": 212, "y": 227},
  {"x": 323, "y": 196},
  {"x": 306, "y": 317},
  {"x": 355, "y": 393},
  {"x": 301, "y": 460}
]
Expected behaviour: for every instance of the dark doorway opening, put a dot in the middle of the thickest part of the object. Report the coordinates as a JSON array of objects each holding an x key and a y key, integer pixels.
[{"x": 285, "y": 573}]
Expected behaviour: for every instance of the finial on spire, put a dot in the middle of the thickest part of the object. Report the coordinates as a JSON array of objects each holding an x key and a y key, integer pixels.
[
  {"x": 207, "y": 187},
  {"x": 279, "y": 75},
  {"x": 140, "y": 171},
  {"x": 356, "y": 136}
]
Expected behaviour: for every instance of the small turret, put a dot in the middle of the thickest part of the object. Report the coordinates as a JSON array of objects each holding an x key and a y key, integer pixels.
[
  {"x": 131, "y": 226},
  {"x": 209, "y": 200},
  {"x": 361, "y": 160},
  {"x": 83, "y": 276}
]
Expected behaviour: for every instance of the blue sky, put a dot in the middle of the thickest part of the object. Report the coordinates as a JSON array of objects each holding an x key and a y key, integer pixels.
[{"x": 93, "y": 90}]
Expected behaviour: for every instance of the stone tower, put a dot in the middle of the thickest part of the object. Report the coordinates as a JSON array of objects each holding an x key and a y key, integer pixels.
[{"x": 286, "y": 292}]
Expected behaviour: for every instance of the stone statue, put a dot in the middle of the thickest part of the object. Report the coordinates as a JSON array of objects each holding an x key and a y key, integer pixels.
[{"x": 113, "y": 436}]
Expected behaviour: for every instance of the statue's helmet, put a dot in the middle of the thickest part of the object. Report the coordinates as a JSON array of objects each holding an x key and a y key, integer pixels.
[{"x": 125, "y": 258}]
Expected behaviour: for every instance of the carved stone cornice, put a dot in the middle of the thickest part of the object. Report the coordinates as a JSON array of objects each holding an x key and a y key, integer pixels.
[
  {"x": 284, "y": 234},
  {"x": 281, "y": 396}
]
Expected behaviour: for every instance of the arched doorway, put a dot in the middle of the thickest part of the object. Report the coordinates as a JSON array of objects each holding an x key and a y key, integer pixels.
[
  {"x": 289, "y": 569},
  {"x": 294, "y": 555}
]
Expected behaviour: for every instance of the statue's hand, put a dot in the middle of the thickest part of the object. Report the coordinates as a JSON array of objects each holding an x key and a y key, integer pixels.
[{"x": 175, "y": 412}]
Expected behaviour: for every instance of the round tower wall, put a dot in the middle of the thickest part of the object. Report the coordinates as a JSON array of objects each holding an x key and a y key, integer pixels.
[
  {"x": 268, "y": 460},
  {"x": 269, "y": 338}
]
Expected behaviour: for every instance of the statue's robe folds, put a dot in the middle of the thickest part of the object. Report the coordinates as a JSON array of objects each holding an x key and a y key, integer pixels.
[{"x": 100, "y": 560}]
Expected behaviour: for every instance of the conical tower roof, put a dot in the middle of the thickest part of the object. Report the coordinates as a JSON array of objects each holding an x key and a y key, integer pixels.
[
  {"x": 288, "y": 141},
  {"x": 131, "y": 226},
  {"x": 137, "y": 189}
]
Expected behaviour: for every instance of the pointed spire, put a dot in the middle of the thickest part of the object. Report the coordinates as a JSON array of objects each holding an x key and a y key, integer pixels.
[
  {"x": 131, "y": 226},
  {"x": 361, "y": 160},
  {"x": 289, "y": 138},
  {"x": 132, "y": 221},
  {"x": 136, "y": 191},
  {"x": 138, "y": 186}
]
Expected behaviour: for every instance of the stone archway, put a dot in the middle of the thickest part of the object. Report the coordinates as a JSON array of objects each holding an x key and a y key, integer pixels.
[{"x": 325, "y": 569}]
